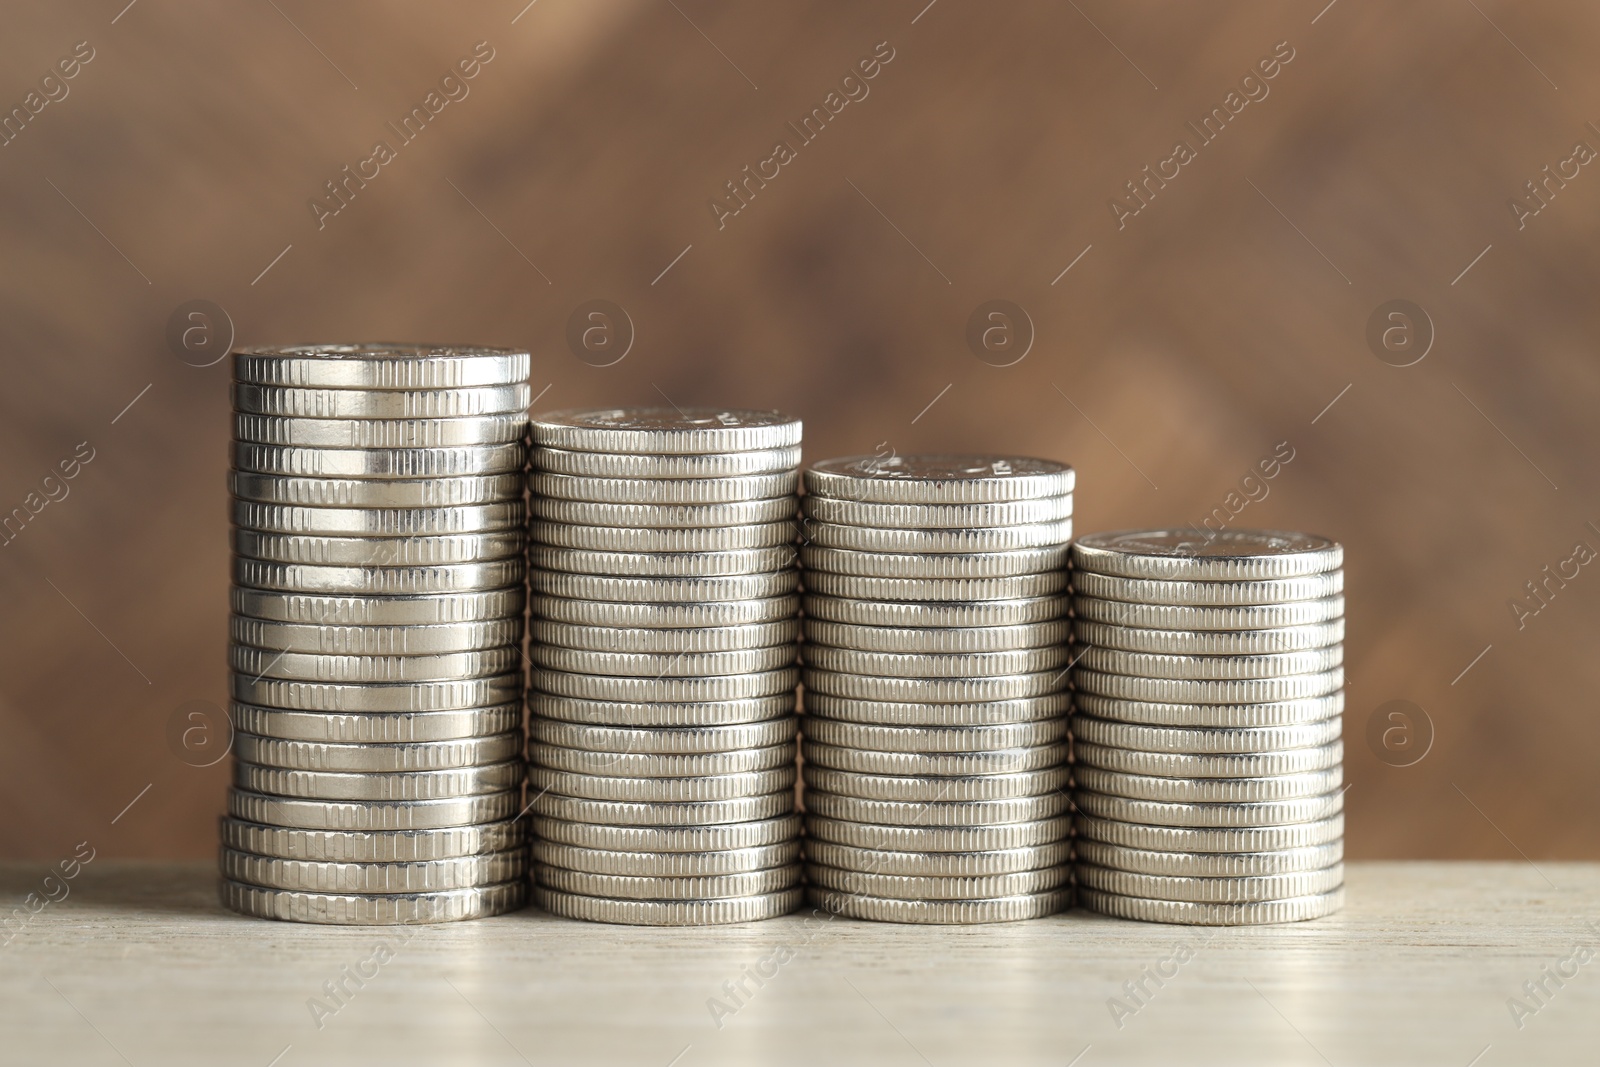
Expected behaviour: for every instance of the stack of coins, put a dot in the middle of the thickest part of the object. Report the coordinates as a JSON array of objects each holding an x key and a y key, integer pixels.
[
  {"x": 376, "y": 634},
  {"x": 665, "y": 621},
  {"x": 1207, "y": 725},
  {"x": 936, "y": 660}
]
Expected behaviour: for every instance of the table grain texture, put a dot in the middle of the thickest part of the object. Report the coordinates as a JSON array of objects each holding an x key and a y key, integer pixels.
[{"x": 138, "y": 965}]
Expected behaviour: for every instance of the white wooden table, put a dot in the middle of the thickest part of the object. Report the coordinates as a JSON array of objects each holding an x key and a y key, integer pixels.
[{"x": 138, "y": 965}]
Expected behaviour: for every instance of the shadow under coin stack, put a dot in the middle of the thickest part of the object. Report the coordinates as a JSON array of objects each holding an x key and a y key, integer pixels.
[
  {"x": 665, "y": 617},
  {"x": 376, "y": 631},
  {"x": 1207, "y": 727},
  {"x": 936, "y": 660}
]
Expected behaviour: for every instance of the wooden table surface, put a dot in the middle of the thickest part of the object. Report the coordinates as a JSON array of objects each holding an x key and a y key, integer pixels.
[{"x": 137, "y": 964}]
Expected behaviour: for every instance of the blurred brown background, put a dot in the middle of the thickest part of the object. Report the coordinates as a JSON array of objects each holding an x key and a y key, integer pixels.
[{"x": 1222, "y": 319}]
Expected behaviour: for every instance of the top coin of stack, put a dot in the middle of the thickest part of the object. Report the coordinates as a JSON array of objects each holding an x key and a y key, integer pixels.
[
  {"x": 664, "y": 626},
  {"x": 1206, "y": 732},
  {"x": 936, "y": 655},
  {"x": 377, "y": 622}
]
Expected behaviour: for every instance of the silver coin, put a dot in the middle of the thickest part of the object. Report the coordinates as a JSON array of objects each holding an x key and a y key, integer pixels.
[
  {"x": 881, "y": 738},
  {"x": 308, "y": 814},
  {"x": 378, "y": 581},
  {"x": 938, "y": 479},
  {"x": 1207, "y": 555},
  {"x": 1210, "y": 642},
  {"x": 1210, "y": 816},
  {"x": 1195, "y": 668},
  {"x": 646, "y": 888},
  {"x": 674, "y": 740},
  {"x": 936, "y": 541},
  {"x": 937, "y": 640},
  {"x": 1245, "y": 890},
  {"x": 928, "y": 614},
  {"x": 376, "y": 728},
  {"x": 938, "y": 665},
  {"x": 1189, "y": 617},
  {"x": 664, "y": 564},
  {"x": 378, "y": 522},
  {"x": 380, "y": 404},
  {"x": 664, "y": 590},
  {"x": 435, "y": 609},
  {"x": 939, "y": 838},
  {"x": 663, "y": 490},
  {"x": 668, "y": 690},
  {"x": 1233, "y": 691},
  {"x": 938, "y": 888},
  {"x": 919, "y": 764},
  {"x": 653, "y": 715},
  {"x": 666, "y": 864},
  {"x": 665, "y": 616},
  {"x": 657, "y": 814},
  {"x": 410, "y": 697},
  {"x": 937, "y": 864},
  {"x": 661, "y": 764},
  {"x": 662, "y": 664},
  {"x": 449, "y": 784},
  {"x": 377, "y": 463},
  {"x": 669, "y": 912},
  {"x": 372, "y": 846},
  {"x": 376, "y": 492},
  {"x": 969, "y": 814},
  {"x": 665, "y": 642},
  {"x": 942, "y": 912},
  {"x": 938, "y": 589},
  {"x": 946, "y": 566},
  {"x": 1210, "y": 765},
  {"x": 378, "y": 551},
  {"x": 387, "y": 757},
  {"x": 720, "y": 838},
  {"x": 1267, "y": 591},
  {"x": 662, "y": 790},
  {"x": 1209, "y": 864},
  {"x": 1175, "y": 840},
  {"x": 375, "y": 640},
  {"x": 380, "y": 366},
  {"x": 701, "y": 465},
  {"x": 648, "y": 539},
  {"x": 666, "y": 431},
  {"x": 1297, "y": 909},
  {"x": 317, "y": 667},
  {"x": 422, "y": 876},
  {"x": 938, "y": 516},
  {"x": 1209, "y": 790},
  {"x": 934, "y": 690},
  {"x": 900, "y": 713},
  {"x": 474, "y": 431},
  {"x": 347, "y": 909},
  {"x": 1277, "y": 713},
  {"x": 946, "y": 789},
  {"x": 1205, "y": 740},
  {"x": 670, "y": 516}
]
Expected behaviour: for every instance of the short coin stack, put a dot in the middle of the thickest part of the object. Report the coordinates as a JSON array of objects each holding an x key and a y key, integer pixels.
[
  {"x": 936, "y": 655},
  {"x": 665, "y": 620},
  {"x": 1207, "y": 725},
  {"x": 376, "y": 631}
]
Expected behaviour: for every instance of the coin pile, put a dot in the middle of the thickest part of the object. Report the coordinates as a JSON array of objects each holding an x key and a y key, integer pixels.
[
  {"x": 1207, "y": 723},
  {"x": 376, "y": 634},
  {"x": 936, "y": 655},
  {"x": 665, "y": 620}
]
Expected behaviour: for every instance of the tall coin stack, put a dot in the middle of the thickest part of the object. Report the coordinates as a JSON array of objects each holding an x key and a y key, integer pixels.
[
  {"x": 376, "y": 631},
  {"x": 936, "y": 660},
  {"x": 665, "y": 620},
  {"x": 1207, "y": 727}
]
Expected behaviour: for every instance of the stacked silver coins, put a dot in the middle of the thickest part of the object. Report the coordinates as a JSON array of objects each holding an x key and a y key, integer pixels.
[
  {"x": 665, "y": 619},
  {"x": 378, "y": 607},
  {"x": 1206, "y": 732},
  {"x": 936, "y": 661}
]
